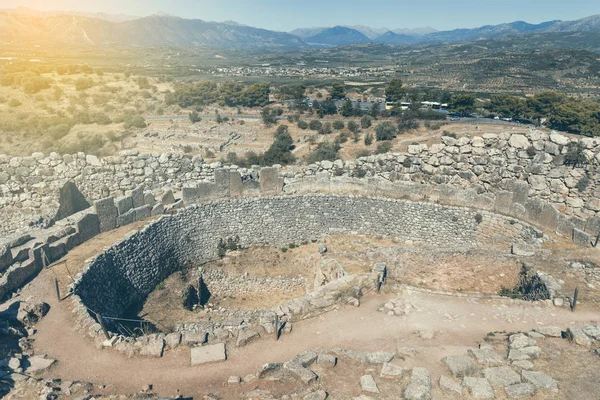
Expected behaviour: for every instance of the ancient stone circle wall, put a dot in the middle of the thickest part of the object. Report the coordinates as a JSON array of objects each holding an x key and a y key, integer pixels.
[
  {"x": 131, "y": 269},
  {"x": 29, "y": 185}
]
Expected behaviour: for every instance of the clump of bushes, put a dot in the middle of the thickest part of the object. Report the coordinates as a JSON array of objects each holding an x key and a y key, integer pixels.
[{"x": 386, "y": 131}]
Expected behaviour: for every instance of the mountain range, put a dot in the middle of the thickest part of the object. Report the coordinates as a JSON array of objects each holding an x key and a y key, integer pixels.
[{"x": 25, "y": 26}]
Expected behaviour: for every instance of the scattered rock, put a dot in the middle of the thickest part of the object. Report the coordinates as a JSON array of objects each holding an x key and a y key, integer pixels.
[
  {"x": 208, "y": 354},
  {"x": 486, "y": 356},
  {"x": 478, "y": 388},
  {"x": 517, "y": 355},
  {"x": 501, "y": 376},
  {"x": 426, "y": 334},
  {"x": 367, "y": 384},
  {"x": 532, "y": 351},
  {"x": 540, "y": 380},
  {"x": 173, "y": 340},
  {"x": 154, "y": 348},
  {"x": 306, "y": 358},
  {"x": 406, "y": 351},
  {"x": 592, "y": 331},
  {"x": 520, "y": 340},
  {"x": 520, "y": 390},
  {"x": 270, "y": 371},
  {"x": 419, "y": 387},
  {"x": 245, "y": 336},
  {"x": 326, "y": 360},
  {"x": 318, "y": 395},
  {"x": 233, "y": 380},
  {"x": 38, "y": 364},
  {"x": 380, "y": 357},
  {"x": 299, "y": 372},
  {"x": 552, "y": 331},
  {"x": 391, "y": 370},
  {"x": 523, "y": 364},
  {"x": 451, "y": 386},
  {"x": 576, "y": 335},
  {"x": 460, "y": 366}
]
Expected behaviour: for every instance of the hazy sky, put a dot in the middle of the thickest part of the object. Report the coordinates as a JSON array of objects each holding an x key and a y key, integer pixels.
[{"x": 285, "y": 15}]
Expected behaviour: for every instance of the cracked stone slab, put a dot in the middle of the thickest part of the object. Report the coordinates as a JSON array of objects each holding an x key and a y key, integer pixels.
[
  {"x": 299, "y": 372},
  {"x": 487, "y": 356},
  {"x": 390, "y": 370},
  {"x": 592, "y": 331},
  {"x": 208, "y": 354},
  {"x": 501, "y": 376},
  {"x": 460, "y": 366},
  {"x": 367, "y": 384},
  {"x": 419, "y": 387},
  {"x": 478, "y": 388},
  {"x": 577, "y": 336},
  {"x": 451, "y": 386},
  {"x": 520, "y": 340},
  {"x": 551, "y": 331},
  {"x": 520, "y": 390},
  {"x": 540, "y": 380}
]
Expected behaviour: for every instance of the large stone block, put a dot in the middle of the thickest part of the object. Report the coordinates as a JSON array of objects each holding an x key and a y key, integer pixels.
[
  {"x": 6, "y": 257},
  {"x": 17, "y": 275},
  {"x": 581, "y": 238},
  {"x": 190, "y": 195},
  {"x": 124, "y": 204},
  {"x": 143, "y": 212},
  {"x": 158, "y": 209},
  {"x": 520, "y": 192},
  {"x": 127, "y": 218},
  {"x": 236, "y": 188},
  {"x": 564, "y": 225},
  {"x": 88, "y": 226},
  {"x": 504, "y": 201},
  {"x": 535, "y": 208},
  {"x": 270, "y": 181},
  {"x": 106, "y": 211},
  {"x": 208, "y": 354},
  {"x": 250, "y": 186},
  {"x": 221, "y": 176},
  {"x": 71, "y": 201},
  {"x": 167, "y": 197},
  {"x": 137, "y": 196},
  {"x": 592, "y": 225},
  {"x": 149, "y": 199},
  {"x": 549, "y": 218}
]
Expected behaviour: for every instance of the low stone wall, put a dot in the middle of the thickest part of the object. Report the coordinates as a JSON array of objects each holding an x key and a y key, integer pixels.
[{"x": 126, "y": 273}]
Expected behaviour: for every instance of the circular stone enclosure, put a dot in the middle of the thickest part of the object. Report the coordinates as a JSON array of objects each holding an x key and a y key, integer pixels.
[{"x": 127, "y": 272}]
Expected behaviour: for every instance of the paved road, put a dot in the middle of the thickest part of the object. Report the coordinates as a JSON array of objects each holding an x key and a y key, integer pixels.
[{"x": 479, "y": 121}]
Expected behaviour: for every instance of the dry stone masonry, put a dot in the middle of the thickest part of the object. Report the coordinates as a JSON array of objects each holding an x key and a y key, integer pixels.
[{"x": 531, "y": 165}]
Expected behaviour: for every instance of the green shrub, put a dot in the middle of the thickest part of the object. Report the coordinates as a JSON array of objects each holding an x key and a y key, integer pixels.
[
  {"x": 583, "y": 183},
  {"x": 324, "y": 151},
  {"x": 368, "y": 139},
  {"x": 315, "y": 125},
  {"x": 576, "y": 155},
  {"x": 384, "y": 147},
  {"x": 302, "y": 125},
  {"x": 134, "y": 121},
  {"x": 366, "y": 121},
  {"x": 386, "y": 131},
  {"x": 338, "y": 125}
]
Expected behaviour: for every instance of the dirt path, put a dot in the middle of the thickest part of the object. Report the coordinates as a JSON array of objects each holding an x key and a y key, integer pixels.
[{"x": 459, "y": 323}]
